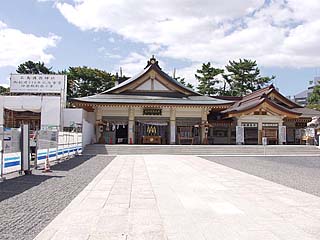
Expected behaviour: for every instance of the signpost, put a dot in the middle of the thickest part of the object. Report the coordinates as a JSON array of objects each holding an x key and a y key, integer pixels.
[
  {"x": 2, "y": 162},
  {"x": 25, "y": 156},
  {"x": 282, "y": 134},
  {"x": 264, "y": 143},
  {"x": 240, "y": 134}
]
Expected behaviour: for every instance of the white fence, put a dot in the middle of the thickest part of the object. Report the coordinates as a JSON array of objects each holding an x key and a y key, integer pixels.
[{"x": 56, "y": 145}]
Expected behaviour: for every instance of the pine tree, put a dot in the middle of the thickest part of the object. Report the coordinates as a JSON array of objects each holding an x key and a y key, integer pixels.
[
  {"x": 30, "y": 67},
  {"x": 207, "y": 78},
  {"x": 243, "y": 77}
]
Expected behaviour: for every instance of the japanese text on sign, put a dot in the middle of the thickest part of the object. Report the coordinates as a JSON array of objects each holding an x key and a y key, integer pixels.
[{"x": 37, "y": 83}]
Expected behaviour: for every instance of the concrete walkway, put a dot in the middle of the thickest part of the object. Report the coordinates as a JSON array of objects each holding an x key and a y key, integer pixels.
[{"x": 184, "y": 197}]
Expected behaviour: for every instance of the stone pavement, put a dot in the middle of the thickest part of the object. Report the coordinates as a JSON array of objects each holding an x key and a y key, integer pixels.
[
  {"x": 184, "y": 197},
  {"x": 29, "y": 203}
]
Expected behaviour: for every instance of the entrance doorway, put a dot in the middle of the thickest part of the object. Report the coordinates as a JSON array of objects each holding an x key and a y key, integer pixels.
[
  {"x": 152, "y": 132},
  {"x": 114, "y": 131},
  {"x": 251, "y": 133},
  {"x": 270, "y": 131}
]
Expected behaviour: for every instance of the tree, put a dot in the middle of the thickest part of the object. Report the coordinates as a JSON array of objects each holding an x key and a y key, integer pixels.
[
  {"x": 85, "y": 81},
  {"x": 30, "y": 67},
  {"x": 183, "y": 82},
  {"x": 243, "y": 77},
  {"x": 207, "y": 78},
  {"x": 314, "y": 97},
  {"x": 4, "y": 90}
]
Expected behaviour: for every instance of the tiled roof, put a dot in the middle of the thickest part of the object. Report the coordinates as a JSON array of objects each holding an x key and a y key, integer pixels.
[
  {"x": 141, "y": 99},
  {"x": 155, "y": 67},
  {"x": 307, "y": 112},
  {"x": 256, "y": 98}
]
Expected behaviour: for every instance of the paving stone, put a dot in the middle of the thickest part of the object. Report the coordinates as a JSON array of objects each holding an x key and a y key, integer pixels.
[
  {"x": 29, "y": 203},
  {"x": 185, "y": 197}
]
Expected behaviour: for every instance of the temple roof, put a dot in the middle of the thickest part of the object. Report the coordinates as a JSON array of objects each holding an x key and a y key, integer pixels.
[
  {"x": 307, "y": 112},
  {"x": 268, "y": 96},
  {"x": 151, "y": 65},
  {"x": 142, "y": 99},
  {"x": 151, "y": 86}
]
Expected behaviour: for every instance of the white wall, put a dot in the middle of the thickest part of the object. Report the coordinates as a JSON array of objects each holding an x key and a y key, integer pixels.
[
  {"x": 51, "y": 111},
  {"x": 88, "y": 128},
  {"x": 72, "y": 115},
  {"x": 86, "y": 119}
]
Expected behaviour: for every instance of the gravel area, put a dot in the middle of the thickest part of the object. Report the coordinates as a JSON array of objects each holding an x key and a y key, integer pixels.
[
  {"x": 301, "y": 173},
  {"x": 29, "y": 203}
]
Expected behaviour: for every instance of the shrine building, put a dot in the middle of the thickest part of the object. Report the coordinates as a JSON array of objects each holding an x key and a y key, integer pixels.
[{"x": 154, "y": 108}]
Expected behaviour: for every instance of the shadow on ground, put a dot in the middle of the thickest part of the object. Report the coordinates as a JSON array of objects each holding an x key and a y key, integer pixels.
[{"x": 16, "y": 185}]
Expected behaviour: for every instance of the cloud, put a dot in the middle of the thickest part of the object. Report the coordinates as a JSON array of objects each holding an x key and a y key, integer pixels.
[
  {"x": 17, "y": 47},
  {"x": 111, "y": 39},
  {"x": 276, "y": 32}
]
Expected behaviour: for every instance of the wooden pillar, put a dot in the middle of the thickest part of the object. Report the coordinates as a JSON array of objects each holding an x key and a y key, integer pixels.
[
  {"x": 98, "y": 119},
  {"x": 172, "y": 126},
  {"x": 260, "y": 132},
  {"x": 131, "y": 115},
  {"x": 229, "y": 134}
]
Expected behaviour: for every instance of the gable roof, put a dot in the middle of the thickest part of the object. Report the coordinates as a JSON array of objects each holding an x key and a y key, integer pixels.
[
  {"x": 151, "y": 65},
  {"x": 263, "y": 96}
]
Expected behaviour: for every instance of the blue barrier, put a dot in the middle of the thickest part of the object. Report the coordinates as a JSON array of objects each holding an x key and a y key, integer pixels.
[
  {"x": 54, "y": 154},
  {"x": 11, "y": 162}
]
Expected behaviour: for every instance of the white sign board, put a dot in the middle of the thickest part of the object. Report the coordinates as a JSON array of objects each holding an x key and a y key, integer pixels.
[
  {"x": 264, "y": 141},
  {"x": 310, "y": 132},
  {"x": 282, "y": 134},
  {"x": 37, "y": 83},
  {"x": 239, "y": 134}
]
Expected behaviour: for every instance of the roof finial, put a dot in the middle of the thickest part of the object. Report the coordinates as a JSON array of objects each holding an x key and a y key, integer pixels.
[{"x": 152, "y": 61}]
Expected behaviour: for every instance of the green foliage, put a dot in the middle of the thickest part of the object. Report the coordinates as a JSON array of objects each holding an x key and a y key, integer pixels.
[
  {"x": 30, "y": 67},
  {"x": 243, "y": 77},
  {"x": 85, "y": 81},
  {"x": 207, "y": 78},
  {"x": 314, "y": 106},
  {"x": 183, "y": 82},
  {"x": 4, "y": 90},
  {"x": 314, "y": 97}
]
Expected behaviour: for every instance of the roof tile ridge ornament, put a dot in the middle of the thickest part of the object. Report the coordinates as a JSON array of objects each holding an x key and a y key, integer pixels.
[
  {"x": 153, "y": 62},
  {"x": 264, "y": 96}
]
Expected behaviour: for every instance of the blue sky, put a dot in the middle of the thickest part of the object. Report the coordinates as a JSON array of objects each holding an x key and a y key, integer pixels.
[{"x": 283, "y": 36}]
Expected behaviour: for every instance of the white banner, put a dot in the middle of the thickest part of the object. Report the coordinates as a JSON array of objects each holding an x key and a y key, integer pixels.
[
  {"x": 282, "y": 134},
  {"x": 37, "y": 83},
  {"x": 239, "y": 134}
]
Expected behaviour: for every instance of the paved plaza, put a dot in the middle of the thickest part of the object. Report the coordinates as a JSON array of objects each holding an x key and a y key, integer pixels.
[
  {"x": 184, "y": 197},
  {"x": 29, "y": 203},
  {"x": 298, "y": 172}
]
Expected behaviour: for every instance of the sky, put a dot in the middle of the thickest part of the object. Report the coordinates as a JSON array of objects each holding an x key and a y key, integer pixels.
[{"x": 283, "y": 36}]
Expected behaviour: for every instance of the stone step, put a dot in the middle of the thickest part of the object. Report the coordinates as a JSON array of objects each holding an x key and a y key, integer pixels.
[{"x": 201, "y": 149}]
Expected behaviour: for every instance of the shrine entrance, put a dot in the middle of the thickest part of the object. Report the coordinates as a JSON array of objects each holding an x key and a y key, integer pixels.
[
  {"x": 152, "y": 131},
  {"x": 251, "y": 133},
  {"x": 270, "y": 131},
  {"x": 114, "y": 130}
]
